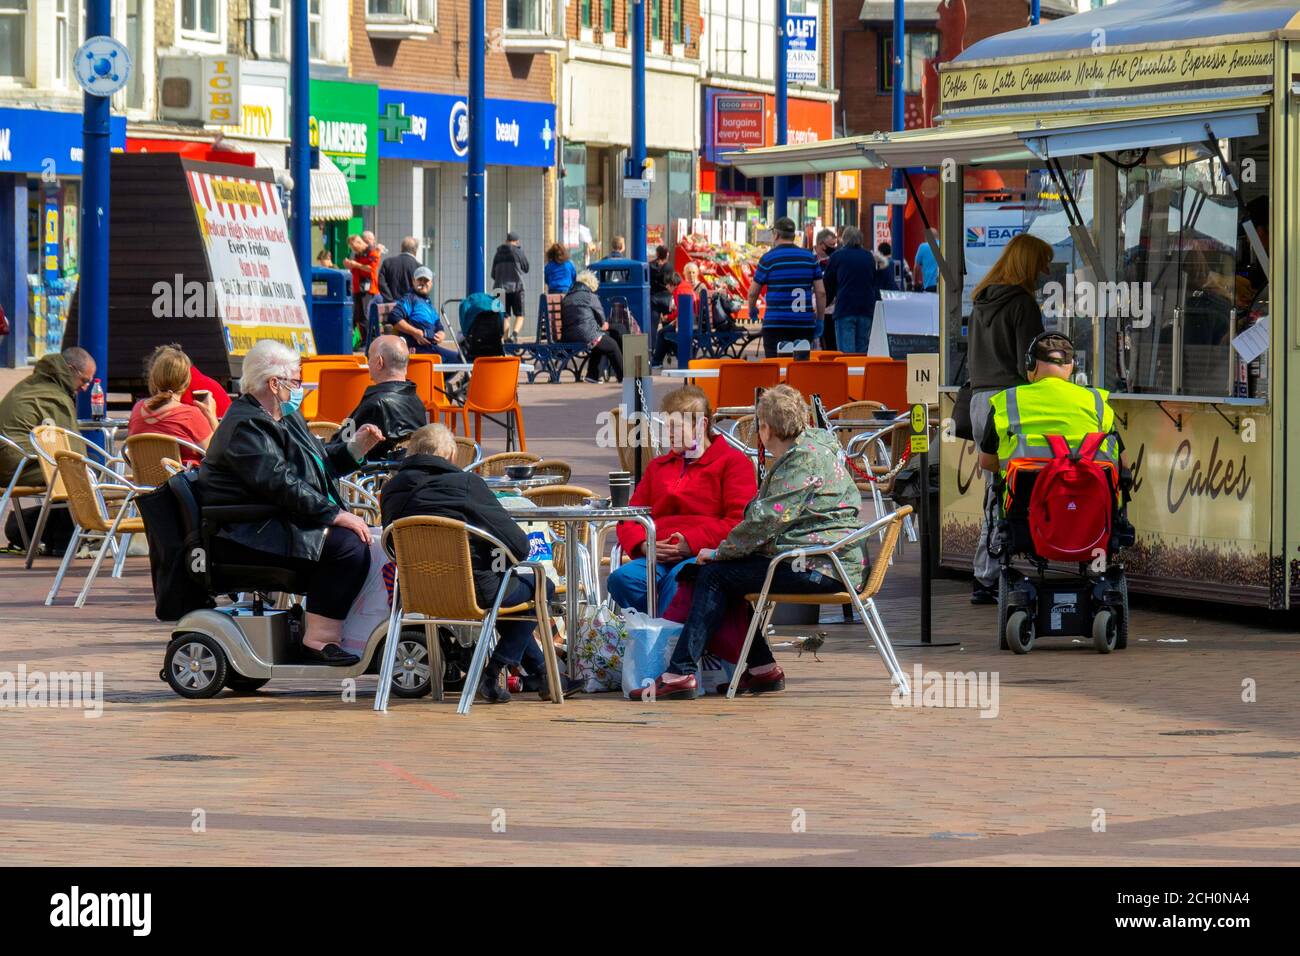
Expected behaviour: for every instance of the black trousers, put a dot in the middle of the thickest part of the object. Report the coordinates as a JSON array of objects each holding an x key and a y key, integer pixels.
[
  {"x": 605, "y": 352},
  {"x": 335, "y": 579}
]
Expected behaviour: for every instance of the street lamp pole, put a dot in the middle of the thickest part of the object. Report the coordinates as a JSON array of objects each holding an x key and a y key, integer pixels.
[
  {"x": 638, "y": 134},
  {"x": 475, "y": 181},
  {"x": 896, "y": 181},
  {"x": 300, "y": 145},
  {"x": 781, "y": 188},
  {"x": 92, "y": 317}
]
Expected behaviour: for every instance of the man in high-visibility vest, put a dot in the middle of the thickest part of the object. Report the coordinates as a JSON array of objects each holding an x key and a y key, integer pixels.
[{"x": 1051, "y": 404}]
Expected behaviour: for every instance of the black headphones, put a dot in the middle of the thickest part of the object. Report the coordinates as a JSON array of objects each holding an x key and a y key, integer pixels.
[{"x": 1031, "y": 359}]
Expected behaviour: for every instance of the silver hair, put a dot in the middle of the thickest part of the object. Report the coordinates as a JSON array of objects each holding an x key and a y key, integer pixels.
[
  {"x": 588, "y": 278},
  {"x": 267, "y": 359},
  {"x": 434, "y": 439},
  {"x": 411, "y": 244},
  {"x": 852, "y": 237}
]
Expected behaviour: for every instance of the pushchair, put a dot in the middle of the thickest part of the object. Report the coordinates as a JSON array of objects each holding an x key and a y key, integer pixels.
[{"x": 1069, "y": 511}]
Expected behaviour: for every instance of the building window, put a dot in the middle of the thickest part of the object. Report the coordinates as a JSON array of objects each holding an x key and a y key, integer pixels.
[
  {"x": 314, "y": 51},
  {"x": 657, "y": 19},
  {"x": 134, "y": 39},
  {"x": 200, "y": 18},
  {"x": 920, "y": 47},
  {"x": 677, "y": 21},
  {"x": 13, "y": 38},
  {"x": 741, "y": 39},
  {"x": 413, "y": 11},
  {"x": 607, "y": 16},
  {"x": 275, "y": 18},
  {"x": 62, "y": 53},
  {"x": 584, "y": 14},
  {"x": 524, "y": 16}
]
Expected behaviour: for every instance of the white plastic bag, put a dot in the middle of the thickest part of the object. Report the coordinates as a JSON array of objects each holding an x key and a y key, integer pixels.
[
  {"x": 371, "y": 607},
  {"x": 650, "y": 643}
]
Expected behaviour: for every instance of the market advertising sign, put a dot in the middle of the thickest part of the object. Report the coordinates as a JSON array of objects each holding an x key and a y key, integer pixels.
[
  {"x": 46, "y": 141},
  {"x": 434, "y": 127},
  {"x": 801, "y": 49},
  {"x": 344, "y": 126},
  {"x": 738, "y": 121},
  {"x": 221, "y": 102},
  {"x": 1092, "y": 75},
  {"x": 255, "y": 277}
]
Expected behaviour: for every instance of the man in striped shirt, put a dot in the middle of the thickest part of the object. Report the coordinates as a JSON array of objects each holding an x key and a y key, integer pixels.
[{"x": 796, "y": 298}]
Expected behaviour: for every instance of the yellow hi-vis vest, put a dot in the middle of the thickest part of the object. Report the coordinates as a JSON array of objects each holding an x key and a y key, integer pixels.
[{"x": 1025, "y": 415}]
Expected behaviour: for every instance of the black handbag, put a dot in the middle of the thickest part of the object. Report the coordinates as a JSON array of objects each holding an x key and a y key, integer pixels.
[
  {"x": 174, "y": 546},
  {"x": 962, "y": 426}
]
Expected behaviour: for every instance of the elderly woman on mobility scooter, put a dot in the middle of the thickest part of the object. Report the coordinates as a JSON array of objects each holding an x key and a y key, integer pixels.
[
  {"x": 1059, "y": 497},
  {"x": 263, "y": 453},
  {"x": 807, "y": 499}
]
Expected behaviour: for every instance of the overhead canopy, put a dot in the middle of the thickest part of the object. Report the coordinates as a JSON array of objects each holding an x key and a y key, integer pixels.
[
  {"x": 330, "y": 198},
  {"x": 993, "y": 145},
  {"x": 1130, "y": 22}
]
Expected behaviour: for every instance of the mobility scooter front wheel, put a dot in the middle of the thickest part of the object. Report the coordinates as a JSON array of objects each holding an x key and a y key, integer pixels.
[
  {"x": 1020, "y": 632},
  {"x": 195, "y": 666},
  {"x": 1105, "y": 631}
]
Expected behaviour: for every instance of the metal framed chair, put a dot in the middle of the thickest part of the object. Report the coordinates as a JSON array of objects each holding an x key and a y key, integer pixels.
[
  {"x": 47, "y": 440},
  {"x": 468, "y": 453},
  {"x": 558, "y": 496},
  {"x": 877, "y": 451},
  {"x": 434, "y": 584},
  {"x": 554, "y": 466},
  {"x": 14, "y": 492},
  {"x": 146, "y": 452},
  {"x": 863, "y": 600},
  {"x": 322, "y": 429},
  {"x": 495, "y": 465},
  {"x": 85, "y": 482},
  {"x": 360, "y": 500}
]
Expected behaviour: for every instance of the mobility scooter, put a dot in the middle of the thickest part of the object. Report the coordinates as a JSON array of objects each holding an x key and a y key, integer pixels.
[{"x": 1070, "y": 511}]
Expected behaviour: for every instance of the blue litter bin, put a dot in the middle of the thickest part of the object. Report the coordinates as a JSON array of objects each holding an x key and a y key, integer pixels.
[
  {"x": 628, "y": 281},
  {"x": 331, "y": 311}
]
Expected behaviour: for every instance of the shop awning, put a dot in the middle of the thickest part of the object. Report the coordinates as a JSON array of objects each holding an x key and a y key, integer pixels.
[
  {"x": 1153, "y": 132},
  {"x": 994, "y": 145},
  {"x": 330, "y": 199}
]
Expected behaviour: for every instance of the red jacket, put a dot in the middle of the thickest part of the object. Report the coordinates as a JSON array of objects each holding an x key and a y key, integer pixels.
[{"x": 702, "y": 498}]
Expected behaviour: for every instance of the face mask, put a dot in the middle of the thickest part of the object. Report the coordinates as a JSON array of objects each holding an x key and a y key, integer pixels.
[{"x": 294, "y": 402}]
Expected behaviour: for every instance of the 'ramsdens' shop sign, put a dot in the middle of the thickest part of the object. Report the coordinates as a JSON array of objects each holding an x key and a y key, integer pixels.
[{"x": 1089, "y": 75}]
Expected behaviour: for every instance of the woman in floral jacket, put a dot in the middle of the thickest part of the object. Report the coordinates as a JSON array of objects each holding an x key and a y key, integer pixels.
[{"x": 807, "y": 499}]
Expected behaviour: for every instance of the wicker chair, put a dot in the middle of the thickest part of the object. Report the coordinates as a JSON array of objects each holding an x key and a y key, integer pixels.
[
  {"x": 146, "y": 452},
  {"x": 14, "y": 492},
  {"x": 765, "y": 602},
  {"x": 626, "y": 451},
  {"x": 468, "y": 453},
  {"x": 435, "y": 580},
  {"x": 323, "y": 430},
  {"x": 554, "y": 466},
  {"x": 47, "y": 441},
  {"x": 85, "y": 482},
  {"x": 495, "y": 465},
  {"x": 558, "y": 496}
]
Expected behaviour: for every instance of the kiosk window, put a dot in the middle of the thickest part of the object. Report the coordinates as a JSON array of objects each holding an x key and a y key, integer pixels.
[{"x": 1188, "y": 275}]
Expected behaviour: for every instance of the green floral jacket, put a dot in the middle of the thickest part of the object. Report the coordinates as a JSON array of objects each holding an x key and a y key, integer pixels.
[{"x": 808, "y": 498}]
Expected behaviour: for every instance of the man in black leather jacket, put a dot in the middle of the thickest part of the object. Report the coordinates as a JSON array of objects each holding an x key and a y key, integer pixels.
[
  {"x": 263, "y": 453},
  {"x": 428, "y": 483},
  {"x": 391, "y": 404}
]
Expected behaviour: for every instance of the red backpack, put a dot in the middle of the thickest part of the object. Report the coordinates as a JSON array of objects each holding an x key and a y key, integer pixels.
[{"x": 1072, "y": 503}]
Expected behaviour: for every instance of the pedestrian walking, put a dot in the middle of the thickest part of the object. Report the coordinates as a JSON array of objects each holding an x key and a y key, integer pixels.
[
  {"x": 364, "y": 266},
  {"x": 508, "y": 268},
  {"x": 851, "y": 282},
  {"x": 397, "y": 272},
  {"x": 796, "y": 297}
]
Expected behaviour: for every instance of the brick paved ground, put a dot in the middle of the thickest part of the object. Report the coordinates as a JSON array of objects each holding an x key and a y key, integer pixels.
[{"x": 294, "y": 775}]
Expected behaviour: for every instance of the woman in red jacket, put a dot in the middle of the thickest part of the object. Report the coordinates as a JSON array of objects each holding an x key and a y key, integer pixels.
[{"x": 696, "y": 494}]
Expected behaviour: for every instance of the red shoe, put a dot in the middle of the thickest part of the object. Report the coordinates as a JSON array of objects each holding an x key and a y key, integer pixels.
[
  {"x": 678, "y": 690},
  {"x": 751, "y": 683}
]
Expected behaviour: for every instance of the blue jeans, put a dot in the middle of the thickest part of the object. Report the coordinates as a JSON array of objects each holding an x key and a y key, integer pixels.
[
  {"x": 515, "y": 644},
  {"x": 626, "y": 584},
  {"x": 852, "y": 333},
  {"x": 721, "y": 583}
]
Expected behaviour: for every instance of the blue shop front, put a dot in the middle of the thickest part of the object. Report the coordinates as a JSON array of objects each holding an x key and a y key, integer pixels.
[
  {"x": 40, "y": 202},
  {"x": 423, "y": 145}
]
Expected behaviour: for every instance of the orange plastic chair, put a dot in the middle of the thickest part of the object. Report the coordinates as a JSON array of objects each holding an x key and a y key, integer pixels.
[
  {"x": 855, "y": 361},
  {"x": 819, "y": 355},
  {"x": 707, "y": 385},
  {"x": 311, "y": 371},
  {"x": 738, "y": 378},
  {"x": 431, "y": 386},
  {"x": 494, "y": 390},
  {"x": 886, "y": 381},
  {"x": 830, "y": 380},
  {"x": 356, "y": 358},
  {"x": 340, "y": 392}
]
